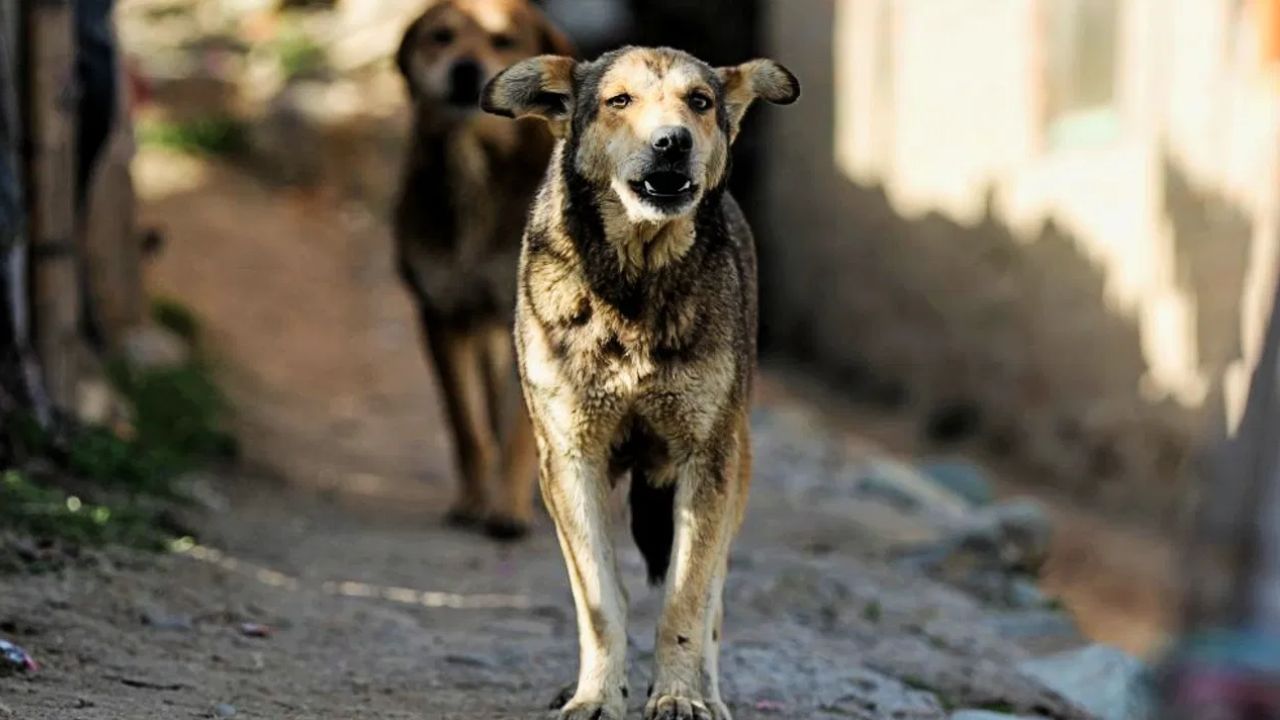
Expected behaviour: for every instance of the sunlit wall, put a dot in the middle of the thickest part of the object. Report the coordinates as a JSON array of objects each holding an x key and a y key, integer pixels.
[{"x": 1125, "y": 149}]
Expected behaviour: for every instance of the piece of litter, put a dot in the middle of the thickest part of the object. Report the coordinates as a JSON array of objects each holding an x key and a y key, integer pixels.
[
  {"x": 255, "y": 630},
  {"x": 15, "y": 659},
  {"x": 769, "y": 706}
]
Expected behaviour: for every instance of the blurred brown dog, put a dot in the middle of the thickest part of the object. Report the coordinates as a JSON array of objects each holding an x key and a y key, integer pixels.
[
  {"x": 468, "y": 182},
  {"x": 636, "y": 337}
]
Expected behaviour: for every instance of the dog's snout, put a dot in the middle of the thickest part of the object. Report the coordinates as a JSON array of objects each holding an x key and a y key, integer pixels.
[
  {"x": 672, "y": 141},
  {"x": 464, "y": 82}
]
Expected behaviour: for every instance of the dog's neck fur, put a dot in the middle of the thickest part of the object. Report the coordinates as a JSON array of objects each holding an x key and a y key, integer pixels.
[
  {"x": 644, "y": 245},
  {"x": 628, "y": 265}
]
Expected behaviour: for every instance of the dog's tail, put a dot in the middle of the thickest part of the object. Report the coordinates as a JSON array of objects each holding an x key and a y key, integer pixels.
[{"x": 653, "y": 523}]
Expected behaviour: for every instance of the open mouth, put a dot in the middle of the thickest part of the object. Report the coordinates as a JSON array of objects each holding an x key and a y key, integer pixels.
[{"x": 665, "y": 186}]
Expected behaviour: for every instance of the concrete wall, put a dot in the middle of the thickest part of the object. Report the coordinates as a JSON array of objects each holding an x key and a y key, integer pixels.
[{"x": 1084, "y": 289}]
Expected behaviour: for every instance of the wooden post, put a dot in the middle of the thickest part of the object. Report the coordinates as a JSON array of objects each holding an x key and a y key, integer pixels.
[
  {"x": 50, "y": 99},
  {"x": 113, "y": 250}
]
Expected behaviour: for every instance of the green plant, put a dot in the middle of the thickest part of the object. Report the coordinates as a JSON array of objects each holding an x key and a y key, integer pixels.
[
  {"x": 120, "y": 481},
  {"x": 177, "y": 318},
  {"x": 299, "y": 55},
  {"x": 52, "y": 513},
  {"x": 179, "y": 412},
  {"x": 215, "y": 135}
]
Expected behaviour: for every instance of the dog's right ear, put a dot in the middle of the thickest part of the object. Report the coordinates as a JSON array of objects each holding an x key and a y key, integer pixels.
[
  {"x": 404, "y": 56},
  {"x": 538, "y": 87}
]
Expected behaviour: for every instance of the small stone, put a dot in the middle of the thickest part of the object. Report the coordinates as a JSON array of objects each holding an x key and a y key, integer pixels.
[
  {"x": 965, "y": 479},
  {"x": 902, "y": 486},
  {"x": 467, "y": 661},
  {"x": 224, "y": 710},
  {"x": 99, "y": 403},
  {"x": 1049, "y": 629},
  {"x": 1017, "y": 532},
  {"x": 161, "y": 621},
  {"x": 200, "y": 487},
  {"x": 1023, "y": 594},
  {"x": 151, "y": 347},
  {"x": 1101, "y": 679}
]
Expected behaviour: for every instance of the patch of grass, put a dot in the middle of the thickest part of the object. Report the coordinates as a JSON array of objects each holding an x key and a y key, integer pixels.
[
  {"x": 176, "y": 317},
  {"x": 52, "y": 513},
  {"x": 299, "y": 55},
  {"x": 216, "y": 135},
  {"x": 179, "y": 414},
  {"x": 98, "y": 454},
  {"x": 873, "y": 613},
  {"x": 121, "y": 481}
]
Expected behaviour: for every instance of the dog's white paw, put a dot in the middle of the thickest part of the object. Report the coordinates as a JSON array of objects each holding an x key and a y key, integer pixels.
[
  {"x": 588, "y": 710},
  {"x": 678, "y": 705}
]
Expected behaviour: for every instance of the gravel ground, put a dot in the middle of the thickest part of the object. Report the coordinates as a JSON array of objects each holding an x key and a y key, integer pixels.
[{"x": 332, "y": 540}]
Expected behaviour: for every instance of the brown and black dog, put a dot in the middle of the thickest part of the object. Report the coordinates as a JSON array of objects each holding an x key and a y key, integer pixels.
[
  {"x": 636, "y": 343},
  {"x": 468, "y": 182}
]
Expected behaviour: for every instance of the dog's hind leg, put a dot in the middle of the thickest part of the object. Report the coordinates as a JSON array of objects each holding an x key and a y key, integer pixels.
[
  {"x": 512, "y": 510},
  {"x": 576, "y": 491},
  {"x": 459, "y": 365}
]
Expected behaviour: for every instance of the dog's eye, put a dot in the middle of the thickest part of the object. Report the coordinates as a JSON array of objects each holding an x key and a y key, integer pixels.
[
  {"x": 619, "y": 101},
  {"x": 503, "y": 41},
  {"x": 699, "y": 102},
  {"x": 442, "y": 36}
]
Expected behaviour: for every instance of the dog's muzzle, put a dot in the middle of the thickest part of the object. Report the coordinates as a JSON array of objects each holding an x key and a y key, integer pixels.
[
  {"x": 668, "y": 183},
  {"x": 465, "y": 81}
]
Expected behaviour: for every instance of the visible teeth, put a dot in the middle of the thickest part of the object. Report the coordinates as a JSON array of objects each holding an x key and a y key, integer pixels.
[{"x": 649, "y": 188}]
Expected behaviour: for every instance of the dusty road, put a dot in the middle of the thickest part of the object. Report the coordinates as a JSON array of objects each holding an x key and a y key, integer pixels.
[{"x": 333, "y": 539}]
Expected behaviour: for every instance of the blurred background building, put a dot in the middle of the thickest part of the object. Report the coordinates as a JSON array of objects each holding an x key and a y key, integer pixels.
[
  {"x": 1050, "y": 225},
  {"x": 1046, "y": 229}
]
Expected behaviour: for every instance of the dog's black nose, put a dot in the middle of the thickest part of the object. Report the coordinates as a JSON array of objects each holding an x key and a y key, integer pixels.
[
  {"x": 672, "y": 141},
  {"x": 464, "y": 83}
]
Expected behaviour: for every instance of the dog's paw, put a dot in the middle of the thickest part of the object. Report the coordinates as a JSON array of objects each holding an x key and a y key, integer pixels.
[
  {"x": 679, "y": 706},
  {"x": 578, "y": 710},
  {"x": 501, "y": 527},
  {"x": 464, "y": 516},
  {"x": 719, "y": 710}
]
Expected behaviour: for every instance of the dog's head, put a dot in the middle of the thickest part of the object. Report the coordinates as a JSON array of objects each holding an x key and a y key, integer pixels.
[
  {"x": 456, "y": 46},
  {"x": 654, "y": 126}
]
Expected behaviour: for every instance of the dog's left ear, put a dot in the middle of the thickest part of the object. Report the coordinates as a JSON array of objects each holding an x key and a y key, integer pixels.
[
  {"x": 763, "y": 79},
  {"x": 538, "y": 87}
]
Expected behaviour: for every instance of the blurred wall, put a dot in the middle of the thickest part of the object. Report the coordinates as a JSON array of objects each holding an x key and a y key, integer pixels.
[{"x": 1049, "y": 224}]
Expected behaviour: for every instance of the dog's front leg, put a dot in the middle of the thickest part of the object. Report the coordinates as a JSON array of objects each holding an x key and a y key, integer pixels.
[
  {"x": 708, "y": 500},
  {"x": 576, "y": 492}
]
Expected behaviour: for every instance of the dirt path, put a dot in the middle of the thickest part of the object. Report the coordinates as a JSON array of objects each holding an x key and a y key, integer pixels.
[{"x": 379, "y": 612}]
